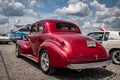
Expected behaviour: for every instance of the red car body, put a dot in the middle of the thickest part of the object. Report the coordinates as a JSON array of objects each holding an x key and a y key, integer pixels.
[{"x": 66, "y": 48}]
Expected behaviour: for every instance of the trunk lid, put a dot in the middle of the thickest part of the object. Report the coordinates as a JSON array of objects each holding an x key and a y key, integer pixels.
[{"x": 80, "y": 50}]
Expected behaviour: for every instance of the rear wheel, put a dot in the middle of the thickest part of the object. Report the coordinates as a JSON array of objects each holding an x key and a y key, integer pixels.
[
  {"x": 116, "y": 56},
  {"x": 45, "y": 63},
  {"x": 17, "y": 52}
]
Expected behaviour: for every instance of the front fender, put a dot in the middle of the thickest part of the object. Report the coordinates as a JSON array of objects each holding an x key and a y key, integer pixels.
[
  {"x": 24, "y": 47},
  {"x": 57, "y": 56}
]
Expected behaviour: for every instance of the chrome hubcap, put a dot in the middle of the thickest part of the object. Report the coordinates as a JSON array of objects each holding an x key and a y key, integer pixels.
[
  {"x": 44, "y": 61},
  {"x": 116, "y": 56}
]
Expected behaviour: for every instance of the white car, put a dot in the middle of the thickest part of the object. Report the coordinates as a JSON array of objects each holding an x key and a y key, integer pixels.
[
  {"x": 4, "y": 39},
  {"x": 111, "y": 42}
]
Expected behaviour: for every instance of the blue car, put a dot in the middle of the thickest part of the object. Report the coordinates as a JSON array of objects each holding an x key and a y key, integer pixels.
[{"x": 19, "y": 34}]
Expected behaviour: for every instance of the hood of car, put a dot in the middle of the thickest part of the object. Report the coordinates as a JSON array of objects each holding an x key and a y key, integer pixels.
[{"x": 83, "y": 48}]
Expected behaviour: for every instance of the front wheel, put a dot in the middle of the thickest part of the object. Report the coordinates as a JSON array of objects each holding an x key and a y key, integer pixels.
[
  {"x": 45, "y": 63},
  {"x": 116, "y": 56},
  {"x": 17, "y": 52}
]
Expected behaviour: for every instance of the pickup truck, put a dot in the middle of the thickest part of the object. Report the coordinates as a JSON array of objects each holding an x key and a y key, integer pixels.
[
  {"x": 19, "y": 34},
  {"x": 111, "y": 42}
]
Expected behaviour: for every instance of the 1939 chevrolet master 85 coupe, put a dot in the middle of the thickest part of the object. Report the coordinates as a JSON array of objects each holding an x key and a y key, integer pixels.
[{"x": 59, "y": 44}]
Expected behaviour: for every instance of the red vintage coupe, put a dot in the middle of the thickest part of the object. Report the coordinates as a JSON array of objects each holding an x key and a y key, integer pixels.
[{"x": 59, "y": 44}]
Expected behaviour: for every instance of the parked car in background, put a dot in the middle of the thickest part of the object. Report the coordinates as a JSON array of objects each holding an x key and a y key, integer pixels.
[
  {"x": 59, "y": 44},
  {"x": 111, "y": 41},
  {"x": 19, "y": 33},
  {"x": 4, "y": 38}
]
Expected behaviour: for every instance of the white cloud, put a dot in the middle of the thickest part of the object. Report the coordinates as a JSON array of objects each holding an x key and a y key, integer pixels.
[
  {"x": 86, "y": 24},
  {"x": 74, "y": 8},
  {"x": 98, "y": 6},
  {"x": 73, "y": 1},
  {"x": 3, "y": 20},
  {"x": 109, "y": 16},
  {"x": 33, "y": 3},
  {"x": 11, "y": 8},
  {"x": 49, "y": 16},
  {"x": 26, "y": 3},
  {"x": 3, "y": 29},
  {"x": 24, "y": 20},
  {"x": 77, "y": 11},
  {"x": 17, "y": 5},
  {"x": 31, "y": 11}
]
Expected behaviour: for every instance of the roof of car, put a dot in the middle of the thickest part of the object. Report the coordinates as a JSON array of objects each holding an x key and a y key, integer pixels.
[
  {"x": 53, "y": 20},
  {"x": 50, "y": 25}
]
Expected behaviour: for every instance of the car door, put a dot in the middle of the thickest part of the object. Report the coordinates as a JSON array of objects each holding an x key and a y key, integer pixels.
[
  {"x": 33, "y": 38},
  {"x": 105, "y": 40},
  {"x": 40, "y": 37}
]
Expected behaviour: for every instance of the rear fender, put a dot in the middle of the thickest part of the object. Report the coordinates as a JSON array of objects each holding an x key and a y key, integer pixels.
[
  {"x": 24, "y": 47},
  {"x": 57, "y": 56}
]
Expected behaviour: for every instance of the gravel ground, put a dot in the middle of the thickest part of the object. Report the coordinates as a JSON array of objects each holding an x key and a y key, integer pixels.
[{"x": 12, "y": 68}]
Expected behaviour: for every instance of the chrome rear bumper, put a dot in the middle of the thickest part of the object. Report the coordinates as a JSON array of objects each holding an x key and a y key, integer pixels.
[{"x": 89, "y": 65}]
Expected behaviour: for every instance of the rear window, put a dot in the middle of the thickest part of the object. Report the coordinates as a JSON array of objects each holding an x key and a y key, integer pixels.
[
  {"x": 97, "y": 35},
  {"x": 64, "y": 26}
]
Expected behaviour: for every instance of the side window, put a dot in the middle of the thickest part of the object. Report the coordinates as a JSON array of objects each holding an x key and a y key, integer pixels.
[
  {"x": 40, "y": 28},
  {"x": 119, "y": 33},
  {"x": 33, "y": 28}
]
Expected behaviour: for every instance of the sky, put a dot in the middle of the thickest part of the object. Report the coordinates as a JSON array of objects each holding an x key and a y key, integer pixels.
[{"x": 89, "y": 15}]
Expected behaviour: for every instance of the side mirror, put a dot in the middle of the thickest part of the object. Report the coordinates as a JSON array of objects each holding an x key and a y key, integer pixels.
[{"x": 25, "y": 38}]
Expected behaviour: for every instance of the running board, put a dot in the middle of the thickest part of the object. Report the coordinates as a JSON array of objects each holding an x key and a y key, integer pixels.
[{"x": 31, "y": 57}]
